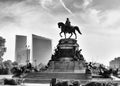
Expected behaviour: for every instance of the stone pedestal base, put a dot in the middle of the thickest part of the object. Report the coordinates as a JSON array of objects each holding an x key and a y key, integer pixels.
[{"x": 67, "y": 66}]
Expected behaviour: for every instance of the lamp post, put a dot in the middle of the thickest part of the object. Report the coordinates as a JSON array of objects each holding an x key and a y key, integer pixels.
[
  {"x": 35, "y": 63},
  {"x": 27, "y": 53}
]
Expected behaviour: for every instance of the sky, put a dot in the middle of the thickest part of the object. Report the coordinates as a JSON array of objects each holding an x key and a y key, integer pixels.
[{"x": 98, "y": 20}]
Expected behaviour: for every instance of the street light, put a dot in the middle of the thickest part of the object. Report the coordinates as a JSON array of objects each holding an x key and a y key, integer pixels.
[
  {"x": 35, "y": 63},
  {"x": 27, "y": 53}
]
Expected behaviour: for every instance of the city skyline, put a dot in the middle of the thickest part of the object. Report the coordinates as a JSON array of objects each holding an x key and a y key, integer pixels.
[{"x": 98, "y": 21}]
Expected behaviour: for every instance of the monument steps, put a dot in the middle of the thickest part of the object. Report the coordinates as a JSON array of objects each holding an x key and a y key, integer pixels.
[
  {"x": 46, "y": 77},
  {"x": 57, "y": 75},
  {"x": 43, "y": 81}
]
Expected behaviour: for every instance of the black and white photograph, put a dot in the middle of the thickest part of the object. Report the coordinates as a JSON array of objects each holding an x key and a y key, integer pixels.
[{"x": 60, "y": 42}]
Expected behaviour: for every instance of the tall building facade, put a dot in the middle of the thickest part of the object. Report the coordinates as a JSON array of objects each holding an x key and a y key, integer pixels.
[
  {"x": 115, "y": 63},
  {"x": 21, "y": 52},
  {"x": 41, "y": 49}
]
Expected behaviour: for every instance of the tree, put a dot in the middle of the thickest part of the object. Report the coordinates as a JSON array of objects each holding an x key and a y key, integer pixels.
[
  {"x": 2, "y": 47},
  {"x": 7, "y": 66},
  {"x": 15, "y": 63}
]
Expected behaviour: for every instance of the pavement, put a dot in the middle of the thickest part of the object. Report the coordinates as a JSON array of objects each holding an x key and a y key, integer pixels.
[
  {"x": 115, "y": 78},
  {"x": 30, "y": 84},
  {"x": 6, "y": 76}
]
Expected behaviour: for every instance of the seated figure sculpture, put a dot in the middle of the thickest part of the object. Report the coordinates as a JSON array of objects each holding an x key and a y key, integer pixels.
[{"x": 79, "y": 55}]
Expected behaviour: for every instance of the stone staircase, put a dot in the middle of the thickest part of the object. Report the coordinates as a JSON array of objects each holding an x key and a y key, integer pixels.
[{"x": 46, "y": 77}]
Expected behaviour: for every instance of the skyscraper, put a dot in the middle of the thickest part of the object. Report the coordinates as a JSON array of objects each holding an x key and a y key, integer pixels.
[
  {"x": 21, "y": 52},
  {"x": 41, "y": 49}
]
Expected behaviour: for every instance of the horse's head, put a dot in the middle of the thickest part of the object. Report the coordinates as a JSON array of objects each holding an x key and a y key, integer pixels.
[{"x": 60, "y": 24}]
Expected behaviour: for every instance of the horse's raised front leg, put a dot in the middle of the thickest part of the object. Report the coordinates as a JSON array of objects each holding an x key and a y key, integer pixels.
[
  {"x": 60, "y": 34},
  {"x": 71, "y": 35}
]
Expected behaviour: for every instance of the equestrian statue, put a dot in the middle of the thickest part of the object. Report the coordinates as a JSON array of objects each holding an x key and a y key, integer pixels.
[{"x": 68, "y": 28}]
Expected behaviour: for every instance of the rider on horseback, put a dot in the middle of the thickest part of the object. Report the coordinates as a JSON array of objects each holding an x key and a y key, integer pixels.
[
  {"x": 67, "y": 28},
  {"x": 67, "y": 23}
]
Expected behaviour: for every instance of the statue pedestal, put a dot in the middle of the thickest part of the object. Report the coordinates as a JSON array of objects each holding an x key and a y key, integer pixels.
[
  {"x": 65, "y": 58},
  {"x": 67, "y": 66}
]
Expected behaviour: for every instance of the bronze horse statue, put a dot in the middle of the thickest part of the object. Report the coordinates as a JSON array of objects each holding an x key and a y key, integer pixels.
[{"x": 68, "y": 29}]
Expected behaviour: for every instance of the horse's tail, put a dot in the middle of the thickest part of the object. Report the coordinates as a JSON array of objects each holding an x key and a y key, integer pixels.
[{"x": 77, "y": 28}]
